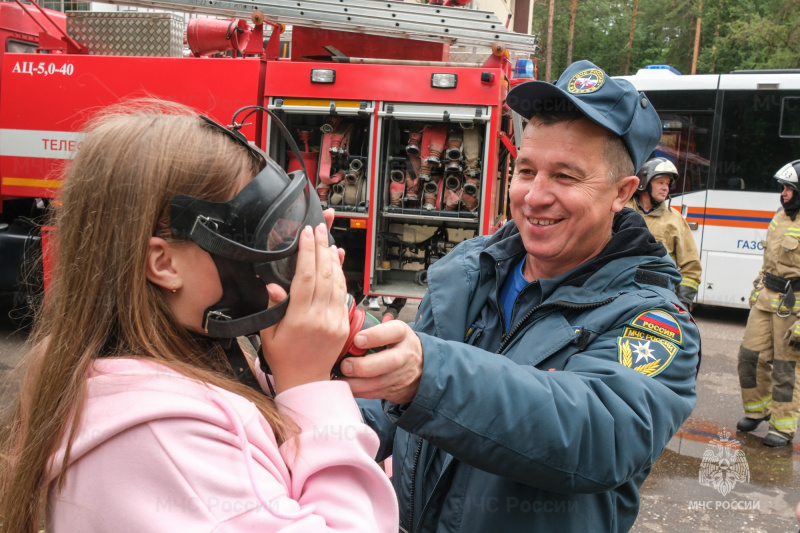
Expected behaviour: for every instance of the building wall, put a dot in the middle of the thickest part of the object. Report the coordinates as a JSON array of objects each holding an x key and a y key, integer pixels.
[{"x": 502, "y": 8}]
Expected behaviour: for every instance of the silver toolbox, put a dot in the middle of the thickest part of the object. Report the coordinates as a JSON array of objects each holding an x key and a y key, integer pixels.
[{"x": 128, "y": 33}]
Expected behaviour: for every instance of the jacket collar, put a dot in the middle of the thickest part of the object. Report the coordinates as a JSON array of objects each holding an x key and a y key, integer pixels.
[{"x": 657, "y": 211}]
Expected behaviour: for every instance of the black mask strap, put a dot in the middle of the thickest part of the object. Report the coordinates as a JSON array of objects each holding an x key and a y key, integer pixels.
[
  {"x": 218, "y": 325},
  {"x": 792, "y": 206}
]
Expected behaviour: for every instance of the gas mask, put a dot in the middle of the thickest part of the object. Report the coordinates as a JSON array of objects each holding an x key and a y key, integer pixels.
[{"x": 252, "y": 238}]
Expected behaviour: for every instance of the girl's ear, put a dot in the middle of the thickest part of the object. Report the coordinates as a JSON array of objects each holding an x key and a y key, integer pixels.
[{"x": 161, "y": 265}]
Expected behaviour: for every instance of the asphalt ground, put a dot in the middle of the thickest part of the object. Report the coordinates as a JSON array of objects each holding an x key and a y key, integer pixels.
[{"x": 682, "y": 494}]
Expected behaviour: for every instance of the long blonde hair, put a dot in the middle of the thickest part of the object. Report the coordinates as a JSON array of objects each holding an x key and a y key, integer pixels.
[{"x": 134, "y": 159}]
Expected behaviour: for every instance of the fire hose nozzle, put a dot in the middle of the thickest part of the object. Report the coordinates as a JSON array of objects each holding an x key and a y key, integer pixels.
[
  {"x": 454, "y": 166},
  {"x": 430, "y": 192},
  {"x": 397, "y": 176},
  {"x": 453, "y": 182},
  {"x": 414, "y": 138},
  {"x": 453, "y": 153},
  {"x": 470, "y": 193},
  {"x": 356, "y": 165}
]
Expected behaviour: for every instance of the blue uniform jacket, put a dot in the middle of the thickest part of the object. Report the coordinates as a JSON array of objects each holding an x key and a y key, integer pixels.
[{"x": 555, "y": 424}]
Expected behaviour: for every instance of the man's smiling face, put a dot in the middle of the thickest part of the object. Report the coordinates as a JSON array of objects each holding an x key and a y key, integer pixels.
[{"x": 561, "y": 197}]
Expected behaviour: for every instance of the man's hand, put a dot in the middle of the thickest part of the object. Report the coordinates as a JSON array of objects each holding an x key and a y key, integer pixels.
[
  {"x": 391, "y": 374},
  {"x": 793, "y": 335}
]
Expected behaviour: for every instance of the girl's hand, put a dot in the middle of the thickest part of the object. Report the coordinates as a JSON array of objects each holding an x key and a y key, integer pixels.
[{"x": 305, "y": 344}]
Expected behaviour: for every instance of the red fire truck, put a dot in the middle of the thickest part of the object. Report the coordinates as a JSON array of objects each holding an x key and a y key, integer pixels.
[{"x": 397, "y": 108}]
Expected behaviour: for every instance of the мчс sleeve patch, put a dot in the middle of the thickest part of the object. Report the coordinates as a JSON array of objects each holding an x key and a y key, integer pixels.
[
  {"x": 645, "y": 353},
  {"x": 661, "y": 324}
]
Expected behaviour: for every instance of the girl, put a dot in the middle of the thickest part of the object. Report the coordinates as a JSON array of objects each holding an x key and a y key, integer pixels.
[{"x": 128, "y": 418}]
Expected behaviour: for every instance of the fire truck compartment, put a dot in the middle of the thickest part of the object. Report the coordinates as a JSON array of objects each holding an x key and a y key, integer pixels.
[
  {"x": 430, "y": 180},
  {"x": 335, "y": 141},
  {"x": 413, "y": 173}
]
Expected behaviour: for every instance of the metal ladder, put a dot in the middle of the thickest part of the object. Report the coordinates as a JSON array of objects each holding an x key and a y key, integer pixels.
[{"x": 422, "y": 22}]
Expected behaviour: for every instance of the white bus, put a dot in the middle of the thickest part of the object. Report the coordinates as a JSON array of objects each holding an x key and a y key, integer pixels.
[{"x": 727, "y": 134}]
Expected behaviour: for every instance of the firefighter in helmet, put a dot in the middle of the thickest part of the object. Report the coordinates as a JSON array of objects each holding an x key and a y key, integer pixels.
[
  {"x": 770, "y": 349},
  {"x": 667, "y": 225}
]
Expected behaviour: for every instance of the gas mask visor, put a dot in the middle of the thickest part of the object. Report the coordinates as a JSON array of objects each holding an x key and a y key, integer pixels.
[{"x": 252, "y": 238}]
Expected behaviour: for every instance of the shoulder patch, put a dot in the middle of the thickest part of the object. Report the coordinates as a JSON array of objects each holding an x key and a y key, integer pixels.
[
  {"x": 645, "y": 353},
  {"x": 661, "y": 324}
]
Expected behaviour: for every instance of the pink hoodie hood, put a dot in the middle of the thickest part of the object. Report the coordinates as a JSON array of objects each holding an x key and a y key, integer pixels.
[{"x": 158, "y": 451}]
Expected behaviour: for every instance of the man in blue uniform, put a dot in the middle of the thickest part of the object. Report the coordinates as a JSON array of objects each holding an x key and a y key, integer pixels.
[{"x": 550, "y": 363}]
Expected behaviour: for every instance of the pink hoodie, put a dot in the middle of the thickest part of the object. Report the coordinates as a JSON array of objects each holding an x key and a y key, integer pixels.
[{"x": 157, "y": 451}]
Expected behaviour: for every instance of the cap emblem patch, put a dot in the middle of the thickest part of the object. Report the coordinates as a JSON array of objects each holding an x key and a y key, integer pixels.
[{"x": 586, "y": 81}]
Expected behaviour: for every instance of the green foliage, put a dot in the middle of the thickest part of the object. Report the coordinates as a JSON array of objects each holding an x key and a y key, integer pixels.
[{"x": 735, "y": 34}]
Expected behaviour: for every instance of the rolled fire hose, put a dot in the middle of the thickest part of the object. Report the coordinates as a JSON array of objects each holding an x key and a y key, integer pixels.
[
  {"x": 338, "y": 193},
  {"x": 438, "y": 138},
  {"x": 471, "y": 148},
  {"x": 431, "y": 191},
  {"x": 454, "y": 140},
  {"x": 414, "y": 139},
  {"x": 412, "y": 187},
  {"x": 470, "y": 193},
  {"x": 451, "y": 199},
  {"x": 397, "y": 186}
]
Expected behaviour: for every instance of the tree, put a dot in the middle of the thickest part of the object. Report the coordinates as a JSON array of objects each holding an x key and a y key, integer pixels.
[
  {"x": 550, "y": 14},
  {"x": 752, "y": 35},
  {"x": 572, "y": 12},
  {"x": 630, "y": 39},
  {"x": 735, "y": 34}
]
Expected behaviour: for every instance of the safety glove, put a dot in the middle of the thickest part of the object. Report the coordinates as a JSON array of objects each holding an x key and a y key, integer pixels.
[{"x": 686, "y": 296}]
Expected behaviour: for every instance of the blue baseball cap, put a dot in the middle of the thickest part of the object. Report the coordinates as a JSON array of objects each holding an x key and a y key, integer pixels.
[{"x": 612, "y": 103}]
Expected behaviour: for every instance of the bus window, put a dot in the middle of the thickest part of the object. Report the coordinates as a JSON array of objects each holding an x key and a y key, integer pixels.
[
  {"x": 751, "y": 144},
  {"x": 687, "y": 122},
  {"x": 686, "y": 141},
  {"x": 790, "y": 117},
  {"x": 694, "y": 101}
]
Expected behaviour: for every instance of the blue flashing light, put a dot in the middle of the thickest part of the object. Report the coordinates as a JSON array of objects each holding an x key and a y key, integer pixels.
[
  {"x": 523, "y": 68},
  {"x": 663, "y": 67}
]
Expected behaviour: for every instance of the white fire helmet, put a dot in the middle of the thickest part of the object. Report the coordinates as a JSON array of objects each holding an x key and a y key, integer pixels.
[
  {"x": 788, "y": 175},
  {"x": 655, "y": 167}
]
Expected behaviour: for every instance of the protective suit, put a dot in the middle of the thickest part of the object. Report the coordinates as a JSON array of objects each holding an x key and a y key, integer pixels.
[
  {"x": 770, "y": 350},
  {"x": 670, "y": 228}
]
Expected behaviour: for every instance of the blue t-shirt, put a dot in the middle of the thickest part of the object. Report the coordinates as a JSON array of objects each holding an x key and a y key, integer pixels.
[{"x": 513, "y": 285}]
